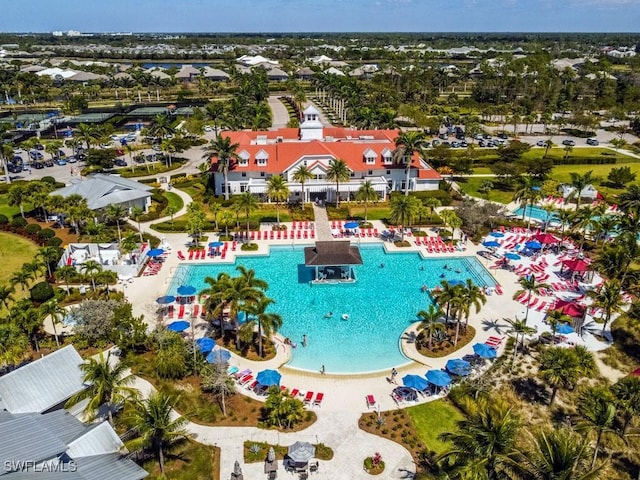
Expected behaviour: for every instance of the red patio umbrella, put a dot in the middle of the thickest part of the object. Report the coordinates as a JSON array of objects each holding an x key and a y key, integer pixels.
[
  {"x": 576, "y": 265},
  {"x": 636, "y": 372},
  {"x": 545, "y": 238},
  {"x": 572, "y": 309}
]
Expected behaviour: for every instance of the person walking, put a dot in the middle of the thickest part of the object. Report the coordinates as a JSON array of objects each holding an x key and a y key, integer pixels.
[{"x": 394, "y": 374}]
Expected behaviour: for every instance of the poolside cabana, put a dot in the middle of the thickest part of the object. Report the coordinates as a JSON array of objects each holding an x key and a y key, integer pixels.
[
  {"x": 332, "y": 261},
  {"x": 578, "y": 266}
]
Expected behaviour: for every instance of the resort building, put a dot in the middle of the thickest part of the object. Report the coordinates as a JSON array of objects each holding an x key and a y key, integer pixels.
[{"x": 367, "y": 153}]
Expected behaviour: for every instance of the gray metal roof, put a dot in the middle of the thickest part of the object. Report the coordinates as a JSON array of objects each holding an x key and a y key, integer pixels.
[
  {"x": 24, "y": 439},
  {"x": 99, "y": 440},
  {"x": 42, "y": 384},
  {"x": 61, "y": 423},
  {"x": 101, "y": 190},
  {"x": 110, "y": 467},
  {"x": 332, "y": 253},
  {"x": 40, "y": 475}
]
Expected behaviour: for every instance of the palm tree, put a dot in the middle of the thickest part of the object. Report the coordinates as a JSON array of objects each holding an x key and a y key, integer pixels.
[
  {"x": 267, "y": 323},
  {"x": 17, "y": 196},
  {"x": 6, "y": 295},
  {"x": 91, "y": 268},
  {"x": 554, "y": 317},
  {"x": 48, "y": 255},
  {"x": 559, "y": 368},
  {"x": 277, "y": 190},
  {"x": 88, "y": 134},
  {"x": 627, "y": 394},
  {"x": 136, "y": 213},
  {"x": 6, "y": 152},
  {"x": 66, "y": 273},
  {"x": 598, "y": 409},
  {"x": 157, "y": 426},
  {"x": 603, "y": 226},
  {"x": 215, "y": 296},
  {"x": 108, "y": 383},
  {"x": 225, "y": 151},
  {"x": 558, "y": 453},
  {"x": 518, "y": 328},
  {"x": 527, "y": 195},
  {"x": 630, "y": 199},
  {"x": 301, "y": 175},
  {"x": 445, "y": 294},
  {"x": 115, "y": 213},
  {"x": 247, "y": 203},
  {"x": 430, "y": 323},
  {"x": 365, "y": 194},
  {"x": 484, "y": 442},
  {"x": 548, "y": 144},
  {"x": 22, "y": 278},
  {"x": 531, "y": 286},
  {"x": 608, "y": 299},
  {"x": 338, "y": 172},
  {"x": 161, "y": 126},
  {"x": 578, "y": 182},
  {"x": 52, "y": 309},
  {"x": 408, "y": 144},
  {"x": 403, "y": 211}
]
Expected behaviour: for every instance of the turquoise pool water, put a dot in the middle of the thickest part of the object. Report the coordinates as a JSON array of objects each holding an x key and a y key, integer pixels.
[
  {"x": 537, "y": 213},
  {"x": 381, "y": 304}
]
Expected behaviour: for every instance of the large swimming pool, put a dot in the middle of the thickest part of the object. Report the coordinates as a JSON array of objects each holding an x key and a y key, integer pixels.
[
  {"x": 381, "y": 304},
  {"x": 537, "y": 213}
]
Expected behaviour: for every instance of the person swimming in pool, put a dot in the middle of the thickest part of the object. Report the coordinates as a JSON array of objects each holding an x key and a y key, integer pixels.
[
  {"x": 328, "y": 315},
  {"x": 458, "y": 270}
]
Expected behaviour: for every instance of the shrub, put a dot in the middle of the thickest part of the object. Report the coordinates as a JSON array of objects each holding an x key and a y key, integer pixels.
[
  {"x": 442, "y": 195},
  {"x": 3, "y": 219},
  {"x": 54, "y": 242},
  {"x": 33, "y": 228},
  {"x": 46, "y": 234},
  {"x": 249, "y": 247},
  {"x": 41, "y": 292},
  {"x": 18, "y": 222},
  {"x": 48, "y": 179}
]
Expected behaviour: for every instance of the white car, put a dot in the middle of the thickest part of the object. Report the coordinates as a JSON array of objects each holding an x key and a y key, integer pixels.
[{"x": 207, "y": 128}]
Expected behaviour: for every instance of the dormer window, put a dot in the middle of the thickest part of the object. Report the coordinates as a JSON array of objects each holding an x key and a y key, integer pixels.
[
  {"x": 387, "y": 157},
  {"x": 369, "y": 157},
  {"x": 243, "y": 158},
  {"x": 261, "y": 158}
]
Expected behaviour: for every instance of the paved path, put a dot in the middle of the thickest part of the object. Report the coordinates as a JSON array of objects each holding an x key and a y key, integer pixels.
[
  {"x": 323, "y": 228},
  {"x": 323, "y": 118},
  {"x": 280, "y": 114}
]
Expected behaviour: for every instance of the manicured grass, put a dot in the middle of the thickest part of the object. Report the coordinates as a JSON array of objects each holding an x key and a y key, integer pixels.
[
  {"x": 174, "y": 200},
  {"x": 470, "y": 186},
  {"x": 187, "y": 461},
  {"x": 10, "y": 210},
  {"x": 373, "y": 213},
  {"x": 433, "y": 418},
  {"x": 561, "y": 173},
  {"x": 14, "y": 252}
]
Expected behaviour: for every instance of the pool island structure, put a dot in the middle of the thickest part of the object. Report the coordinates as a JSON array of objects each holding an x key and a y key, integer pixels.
[{"x": 332, "y": 261}]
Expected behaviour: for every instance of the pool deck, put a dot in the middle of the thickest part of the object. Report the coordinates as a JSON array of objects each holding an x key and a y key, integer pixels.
[{"x": 344, "y": 395}]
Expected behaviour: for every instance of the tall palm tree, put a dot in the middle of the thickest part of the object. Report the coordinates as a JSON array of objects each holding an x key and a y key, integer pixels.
[
  {"x": 52, "y": 308},
  {"x": 49, "y": 255},
  {"x": 578, "y": 182},
  {"x": 157, "y": 426},
  {"x": 403, "y": 211},
  {"x": 527, "y": 194},
  {"x": 6, "y": 153},
  {"x": 518, "y": 329},
  {"x": 555, "y": 317},
  {"x": 302, "y": 175},
  {"x": 247, "y": 203},
  {"x": 445, "y": 293},
  {"x": 91, "y": 268},
  {"x": 338, "y": 172},
  {"x": 558, "y": 453},
  {"x": 6, "y": 295},
  {"x": 88, "y": 133},
  {"x": 226, "y": 153},
  {"x": 115, "y": 213},
  {"x": 559, "y": 368},
  {"x": 277, "y": 190},
  {"x": 161, "y": 126},
  {"x": 603, "y": 226},
  {"x": 627, "y": 394},
  {"x": 598, "y": 410},
  {"x": 267, "y": 323},
  {"x": 408, "y": 145},
  {"x": 629, "y": 200},
  {"x": 429, "y": 322},
  {"x": 215, "y": 296},
  {"x": 608, "y": 299},
  {"x": 22, "y": 278},
  {"x": 484, "y": 443},
  {"x": 532, "y": 287},
  {"x": 109, "y": 384},
  {"x": 66, "y": 273},
  {"x": 365, "y": 194},
  {"x": 136, "y": 214},
  {"x": 17, "y": 196}
]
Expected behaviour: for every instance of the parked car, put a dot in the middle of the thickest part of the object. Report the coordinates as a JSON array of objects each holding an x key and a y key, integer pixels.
[
  {"x": 72, "y": 159},
  {"x": 39, "y": 146},
  {"x": 503, "y": 136},
  {"x": 541, "y": 143},
  {"x": 61, "y": 153},
  {"x": 207, "y": 128},
  {"x": 486, "y": 136},
  {"x": 464, "y": 144},
  {"x": 435, "y": 143},
  {"x": 13, "y": 168},
  {"x": 17, "y": 150},
  {"x": 593, "y": 141},
  {"x": 38, "y": 165},
  {"x": 60, "y": 161},
  {"x": 455, "y": 144},
  {"x": 35, "y": 155},
  {"x": 81, "y": 156},
  {"x": 106, "y": 145},
  {"x": 156, "y": 147},
  {"x": 120, "y": 162},
  {"x": 48, "y": 163},
  {"x": 119, "y": 152},
  {"x": 569, "y": 143},
  {"x": 443, "y": 136}
]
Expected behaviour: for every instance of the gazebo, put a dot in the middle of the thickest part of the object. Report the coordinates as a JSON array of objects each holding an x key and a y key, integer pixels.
[{"x": 332, "y": 261}]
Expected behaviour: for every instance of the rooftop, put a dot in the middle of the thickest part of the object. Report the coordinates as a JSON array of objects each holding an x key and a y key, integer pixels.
[{"x": 332, "y": 253}]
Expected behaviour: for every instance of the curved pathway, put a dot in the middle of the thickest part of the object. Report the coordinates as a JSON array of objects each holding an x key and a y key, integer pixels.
[{"x": 279, "y": 113}]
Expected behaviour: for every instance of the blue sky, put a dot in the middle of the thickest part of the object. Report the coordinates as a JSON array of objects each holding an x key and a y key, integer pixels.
[{"x": 320, "y": 15}]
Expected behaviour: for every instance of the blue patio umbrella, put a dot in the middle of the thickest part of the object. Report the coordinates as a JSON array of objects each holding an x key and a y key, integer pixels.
[
  {"x": 179, "y": 326},
  {"x": 186, "y": 290},
  {"x": 438, "y": 378},
  {"x": 166, "y": 299},
  {"x": 155, "y": 252},
  {"x": 565, "y": 329},
  {"x": 218, "y": 355},
  {"x": 491, "y": 244},
  {"x": 533, "y": 245},
  {"x": 415, "y": 381},
  {"x": 455, "y": 282},
  {"x": 351, "y": 225},
  {"x": 268, "y": 377},
  {"x": 512, "y": 256},
  {"x": 497, "y": 234},
  {"x": 485, "y": 351},
  {"x": 216, "y": 244},
  {"x": 205, "y": 344},
  {"x": 458, "y": 366}
]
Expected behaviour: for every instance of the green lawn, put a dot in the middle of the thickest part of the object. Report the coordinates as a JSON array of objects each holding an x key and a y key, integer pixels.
[
  {"x": 174, "y": 200},
  {"x": 470, "y": 186},
  {"x": 433, "y": 418},
  {"x": 9, "y": 210},
  {"x": 187, "y": 461}
]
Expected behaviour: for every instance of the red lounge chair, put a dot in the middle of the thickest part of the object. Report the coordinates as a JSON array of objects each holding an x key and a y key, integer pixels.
[
  {"x": 251, "y": 385},
  {"x": 418, "y": 242},
  {"x": 191, "y": 254},
  {"x": 181, "y": 255},
  {"x": 181, "y": 312},
  {"x": 234, "y": 245},
  {"x": 299, "y": 234},
  {"x": 224, "y": 254},
  {"x": 308, "y": 397},
  {"x": 196, "y": 311},
  {"x": 313, "y": 234},
  {"x": 285, "y": 235},
  {"x": 170, "y": 311},
  {"x": 318, "y": 400},
  {"x": 271, "y": 235},
  {"x": 294, "y": 393},
  {"x": 279, "y": 235},
  {"x": 499, "y": 290},
  {"x": 246, "y": 379},
  {"x": 371, "y": 401},
  {"x": 306, "y": 234}
]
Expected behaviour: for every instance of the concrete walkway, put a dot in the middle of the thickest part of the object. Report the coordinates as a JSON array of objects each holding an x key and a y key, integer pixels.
[
  {"x": 280, "y": 114},
  {"x": 323, "y": 118},
  {"x": 323, "y": 227}
]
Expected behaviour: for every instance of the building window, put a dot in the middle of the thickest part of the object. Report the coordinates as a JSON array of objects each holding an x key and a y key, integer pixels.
[
  {"x": 387, "y": 160},
  {"x": 370, "y": 172},
  {"x": 388, "y": 172},
  {"x": 242, "y": 188},
  {"x": 243, "y": 162},
  {"x": 262, "y": 174},
  {"x": 370, "y": 160},
  {"x": 262, "y": 162},
  {"x": 244, "y": 174},
  {"x": 353, "y": 174}
]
